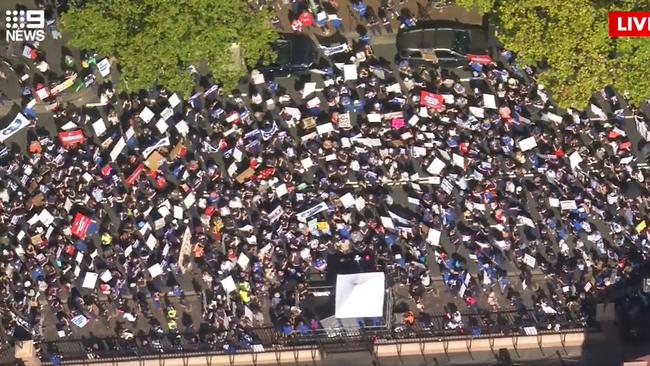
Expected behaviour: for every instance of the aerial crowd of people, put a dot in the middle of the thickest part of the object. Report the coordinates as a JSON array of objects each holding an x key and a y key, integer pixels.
[{"x": 246, "y": 199}]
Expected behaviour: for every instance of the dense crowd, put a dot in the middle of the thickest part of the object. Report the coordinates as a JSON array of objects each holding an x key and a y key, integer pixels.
[{"x": 253, "y": 195}]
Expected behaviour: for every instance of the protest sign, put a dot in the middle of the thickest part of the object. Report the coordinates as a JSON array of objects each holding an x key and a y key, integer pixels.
[
  {"x": 18, "y": 123},
  {"x": 431, "y": 100}
]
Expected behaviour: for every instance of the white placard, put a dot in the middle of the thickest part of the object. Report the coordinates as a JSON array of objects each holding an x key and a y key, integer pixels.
[
  {"x": 228, "y": 284},
  {"x": 313, "y": 103},
  {"x": 308, "y": 90},
  {"x": 307, "y": 163},
  {"x": 189, "y": 200},
  {"x": 387, "y": 222},
  {"x": 243, "y": 260},
  {"x": 575, "y": 159},
  {"x": 436, "y": 166},
  {"x": 530, "y": 260},
  {"x": 528, "y": 143},
  {"x": 146, "y": 114},
  {"x": 553, "y": 202},
  {"x": 433, "y": 237},
  {"x": 324, "y": 128},
  {"x": 166, "y": 114},
  {"x": 151, "y": 242},
  {"x": 119, "y": 146},
  {"x": 568, "y": 205},
  {"x": 182, "y": 127},
  {"x": 489, "y": 101},
  {"x": 178, "y": 212},
  {"x": 174, "y": 100},
  {"x": 347, "y": 200},
  {"x": 90, "y": 280},
  {"x": 459, "y": 161},
  {"x": 374, "y": 118},
  {"x": 46, "y": 217},
  {"x": 106, "y": 276},
  {"x": 99, "y": 127},
  {"x": 155, "y": 270},
  {"x": 281, "y": 190},
  {"x": 162, "y": 126},
  {"x": 350, "y": 72},
  {"x": 104, "y": 67},
  {"x": 477, "y": 112},
  {"x": 360, "y": 203},
  {"x": 80, "y": 321}
]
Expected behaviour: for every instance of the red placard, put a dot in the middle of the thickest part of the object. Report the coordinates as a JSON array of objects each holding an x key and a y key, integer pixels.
[
  {"x": 480, "y": 59},
  {"x": 71, "y": 138},
  {"x": 135, "y": 175},
  {"x": 628, "y": 23},
  {"x": 80, "y": 225},
  {"x": 431, "y": 100}
]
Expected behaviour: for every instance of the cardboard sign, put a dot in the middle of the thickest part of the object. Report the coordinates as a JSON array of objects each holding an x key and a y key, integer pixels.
[
  {"x": 431, "y": 100},
  {"x": 245, "y": 175},
  {"x": 154, "y": 161},
  {"x": 71, "y": 138},
  {"x": 309, "y": 123}
]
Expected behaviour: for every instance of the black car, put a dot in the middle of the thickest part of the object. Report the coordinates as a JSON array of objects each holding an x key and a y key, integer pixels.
[
  {"x": 449, "y": 41},
  {"x": 296, "y": 53}
]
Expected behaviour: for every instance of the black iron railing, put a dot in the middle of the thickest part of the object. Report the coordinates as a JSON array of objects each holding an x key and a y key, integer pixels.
[{"x": 331, "y": 340}]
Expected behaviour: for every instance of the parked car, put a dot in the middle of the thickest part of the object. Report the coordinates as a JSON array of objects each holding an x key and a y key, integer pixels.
[
  {"x": 449, "y": 41},
  {"x": 297, "y": 53}
]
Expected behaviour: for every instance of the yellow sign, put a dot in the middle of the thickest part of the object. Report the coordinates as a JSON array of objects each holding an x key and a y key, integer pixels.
[
  {"x": 322, "y": 226},
  {"x": 641, "y": 226},
  {"x": 64, "y": 85}
]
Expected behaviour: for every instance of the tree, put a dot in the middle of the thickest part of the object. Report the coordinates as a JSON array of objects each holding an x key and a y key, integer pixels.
[
  {"x": 155, "y": 41},
  {"x": 571, "y": 38}
]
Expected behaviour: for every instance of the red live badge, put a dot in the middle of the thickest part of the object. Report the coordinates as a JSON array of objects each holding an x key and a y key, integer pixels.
[{"x": 629, "y": 24}]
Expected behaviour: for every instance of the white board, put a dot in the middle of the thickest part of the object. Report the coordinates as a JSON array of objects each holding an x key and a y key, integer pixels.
[
  {"x": 146, "y": 114},
  {"x": 155, "y": 270},
  {"x": 90, "y": 280},
  {"x": 436, "y": 166},
  {"x": 350, "y": 72},
  {"x": 347, "y": 200},
  {"x": 528, "y": 143},
  {"x": 228, "y": 284}
]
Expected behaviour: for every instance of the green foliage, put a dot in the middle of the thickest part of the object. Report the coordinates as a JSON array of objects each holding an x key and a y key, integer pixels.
[
  {"x": 571, "y": 38},
  {"x": 482, "y": 6},
  {"x": 155, "y": 41}
]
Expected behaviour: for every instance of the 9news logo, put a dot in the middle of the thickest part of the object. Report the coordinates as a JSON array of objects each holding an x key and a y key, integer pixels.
[{"x": 25, "y": 25}]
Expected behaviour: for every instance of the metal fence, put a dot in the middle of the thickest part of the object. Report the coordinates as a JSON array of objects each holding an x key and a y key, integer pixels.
[{"x": 503, "y": 323}]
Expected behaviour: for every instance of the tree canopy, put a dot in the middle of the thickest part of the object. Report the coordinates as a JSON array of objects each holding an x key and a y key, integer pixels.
[
  {"x": 155, "y": 41},
  {"x": 571, "y": 38}
]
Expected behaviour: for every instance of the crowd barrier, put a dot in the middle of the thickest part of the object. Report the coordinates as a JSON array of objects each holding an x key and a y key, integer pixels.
[{"x": 512, "y": 329}]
